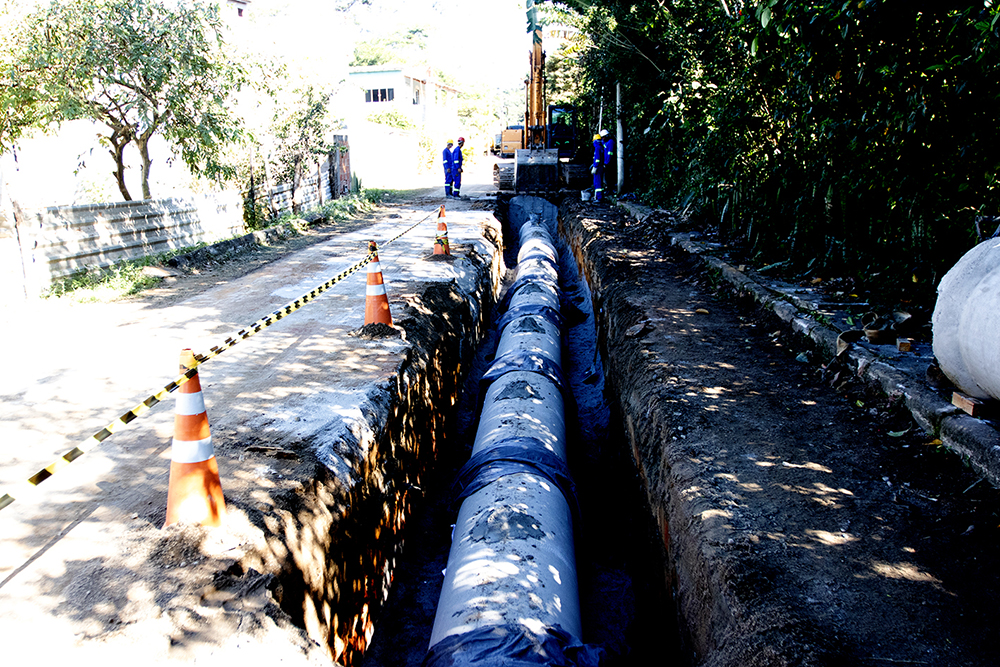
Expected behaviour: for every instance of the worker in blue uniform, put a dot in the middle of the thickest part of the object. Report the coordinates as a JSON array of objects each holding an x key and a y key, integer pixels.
[
  {"x": 597, "y": 168},
  {"x": 608, "y": 144},
  {"x": 456, "y": 168},
  {"x": 447, "y": 162}
]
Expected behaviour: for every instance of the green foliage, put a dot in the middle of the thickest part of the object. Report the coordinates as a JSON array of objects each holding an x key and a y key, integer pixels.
[
  {"x": 302, "y": 137},
  {"x": 255, "y": 210},
  {"x": 116, "y": 282},
  {"x": 404, "y": 47},
  {"x": 139, "y": 67},
  {"x": 342, "y": 209},
  {"x": 855, "y": 138},
  {"x": 392, "y": 118}
]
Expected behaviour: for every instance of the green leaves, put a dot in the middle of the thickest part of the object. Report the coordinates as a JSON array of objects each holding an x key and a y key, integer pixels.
[
  {"x": 851, "y": 135},
  {"x": 140, "y": 67},
  {"x": 304, "y": 130}
]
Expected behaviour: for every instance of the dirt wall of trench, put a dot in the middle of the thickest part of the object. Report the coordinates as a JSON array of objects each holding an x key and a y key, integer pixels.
[
  {"x": 333, "y": 521},
  {"x": 721, "y": 618},
  {"x": 801, "y": 525}
]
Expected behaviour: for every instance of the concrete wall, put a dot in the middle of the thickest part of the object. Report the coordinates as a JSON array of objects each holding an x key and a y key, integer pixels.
[
  {"x": 324, "y": 180},
  {"x": 60, "y": 241},
  {"x": 41, "y": 246}
]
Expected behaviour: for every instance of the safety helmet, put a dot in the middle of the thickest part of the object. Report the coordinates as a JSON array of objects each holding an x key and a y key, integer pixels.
[
  {"x": 450, "y": 142},
  {"x": 461, "y": 140},
  {"x": 597, "y": 137},
  {"x": 604, "y": 133}
]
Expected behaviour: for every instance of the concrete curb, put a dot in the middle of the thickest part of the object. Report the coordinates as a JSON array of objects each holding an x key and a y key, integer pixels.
[{"x": 975, "y": 440}]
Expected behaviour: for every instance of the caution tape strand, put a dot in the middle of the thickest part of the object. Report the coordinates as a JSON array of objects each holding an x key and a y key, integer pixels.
[{"x": 27, "y": 485}]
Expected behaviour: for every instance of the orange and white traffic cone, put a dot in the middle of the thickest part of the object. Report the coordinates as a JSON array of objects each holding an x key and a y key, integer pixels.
[
  {"x": 441, "y": 246},
  {"x": 195, "y": 492},
  {"x": 376, "y": 300}
]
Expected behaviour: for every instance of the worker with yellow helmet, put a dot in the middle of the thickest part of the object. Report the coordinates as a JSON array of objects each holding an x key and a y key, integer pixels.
[{"x": 597, "y": 168}]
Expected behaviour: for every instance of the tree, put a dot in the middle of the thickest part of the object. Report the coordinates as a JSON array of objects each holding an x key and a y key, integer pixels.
[
  {"x": 139, "y": 67},
  {"x": 854, "y": 138},
  {"x": 303, "y": 133},
  {"x": 404, "y": 46}
]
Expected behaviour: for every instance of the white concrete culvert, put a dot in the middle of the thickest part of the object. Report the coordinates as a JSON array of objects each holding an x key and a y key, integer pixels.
[{"x": 966, "y": 320}]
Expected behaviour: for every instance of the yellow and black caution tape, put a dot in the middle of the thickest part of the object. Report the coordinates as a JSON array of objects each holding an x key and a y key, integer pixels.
[
  {"x": 282, "y": 312},
  {"x": 27, "y": 485},
  {"x": 94, "y": 440}
]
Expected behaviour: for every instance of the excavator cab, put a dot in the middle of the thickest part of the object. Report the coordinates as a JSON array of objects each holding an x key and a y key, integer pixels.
[{"x": 562, "y": 130}]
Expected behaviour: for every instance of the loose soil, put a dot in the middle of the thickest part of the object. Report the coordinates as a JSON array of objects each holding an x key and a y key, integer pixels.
[{"x": 803, "y": 525}]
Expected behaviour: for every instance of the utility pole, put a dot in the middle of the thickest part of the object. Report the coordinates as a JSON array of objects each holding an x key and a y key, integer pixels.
[{"x": 618, "y": 138}]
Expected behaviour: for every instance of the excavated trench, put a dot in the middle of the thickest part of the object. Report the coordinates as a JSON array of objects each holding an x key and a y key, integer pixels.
[{"x": 624, "y": 599}]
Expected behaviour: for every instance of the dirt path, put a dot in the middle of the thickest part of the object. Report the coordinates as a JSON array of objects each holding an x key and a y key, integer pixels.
[
  {"x": 803, "y": 526},
  {"x": 84, "y": 565}
]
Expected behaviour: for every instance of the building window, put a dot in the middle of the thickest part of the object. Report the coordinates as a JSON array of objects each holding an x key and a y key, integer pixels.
[
  {"x": 239, "y": 11},
  {"x": 380, "y": 95},
  {"x": 416, "y": 95}
]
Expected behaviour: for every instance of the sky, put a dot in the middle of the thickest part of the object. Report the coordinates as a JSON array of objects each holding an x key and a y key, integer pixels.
[{"x": 477, "y": 41}]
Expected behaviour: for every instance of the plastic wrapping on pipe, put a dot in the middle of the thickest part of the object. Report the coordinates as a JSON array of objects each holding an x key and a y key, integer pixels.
[
  {"x": 537, "y": 249},
  {"x": 533, "y": 287},
  {"x": 522, "y": 403},
  {"x": 510, "y": 595},
  {"x": 544, "y": 310},
  {"x": 533, "y": 335},
  {"x": 513, "y": 646},
  {"x": 520, "y": 360},
  {"x": 538, "y": 268},
  {"x": 514, "y": 455}
]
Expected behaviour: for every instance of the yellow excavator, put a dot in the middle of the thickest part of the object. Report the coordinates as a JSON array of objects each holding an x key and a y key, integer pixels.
[{"x": 546, "y": 134}]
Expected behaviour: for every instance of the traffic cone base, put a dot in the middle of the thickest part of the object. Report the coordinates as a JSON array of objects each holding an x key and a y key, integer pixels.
[
  {"x": 195, "y": 494},
  {"x": 195, "y": 491}
]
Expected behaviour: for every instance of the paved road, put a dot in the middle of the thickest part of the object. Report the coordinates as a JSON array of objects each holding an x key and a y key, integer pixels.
[{"x": 70, "y": 370}]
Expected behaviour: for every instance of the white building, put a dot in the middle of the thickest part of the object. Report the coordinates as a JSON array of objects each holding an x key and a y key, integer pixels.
[
  {"x": 237, "y": 8},
  {"x": 430, "y": 106}
]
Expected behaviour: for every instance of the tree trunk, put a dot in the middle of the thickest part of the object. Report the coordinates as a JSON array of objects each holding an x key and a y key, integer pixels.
[
  {"x": 269, "y": 189},
  {"x": 319, "y": 181},
  {"x": 118, "y": 153},
  {"x": 143, "y": 145},
  {"x": 333, "y": 173},
  {"x": 296, "y": 180}
]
